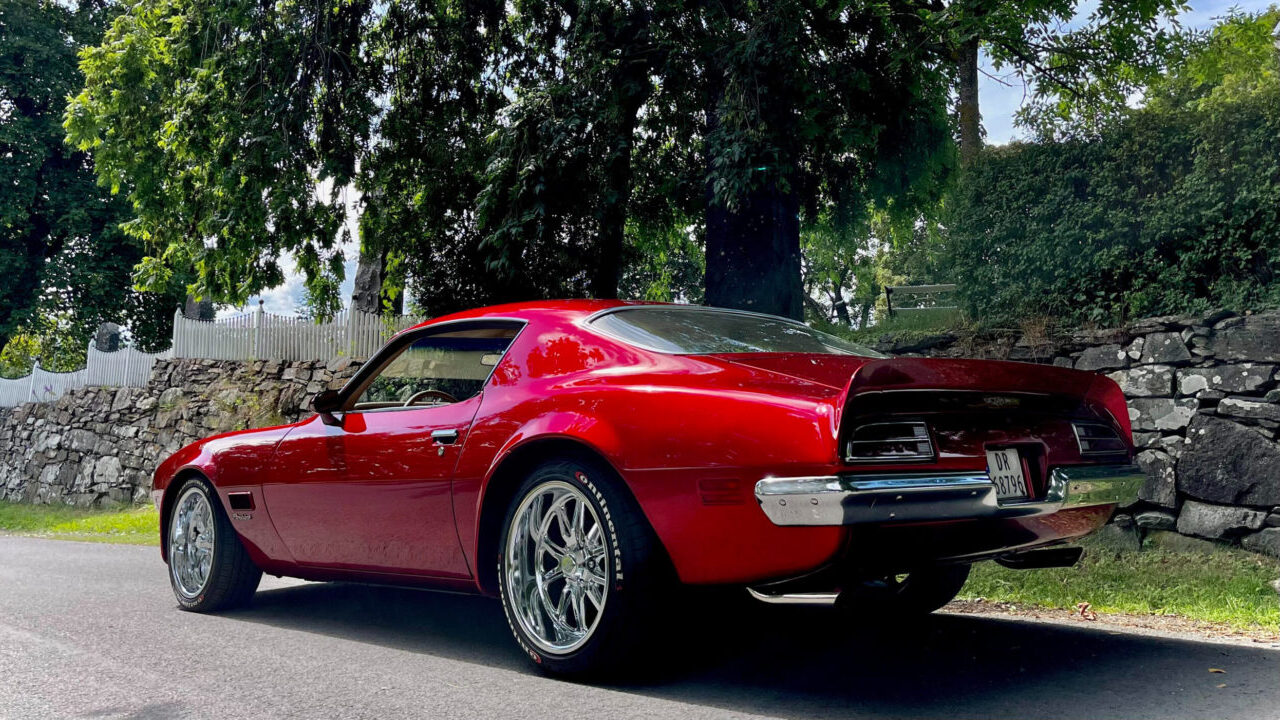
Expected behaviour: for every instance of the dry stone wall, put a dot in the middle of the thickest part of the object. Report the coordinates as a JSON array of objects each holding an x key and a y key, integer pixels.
[
  {"x": 1204, "y": 399},
  {"x": 99, "y": 446}
]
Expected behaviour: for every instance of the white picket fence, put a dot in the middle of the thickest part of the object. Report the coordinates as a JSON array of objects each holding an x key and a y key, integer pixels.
[
  {"x": 123, "y": 368},
  {"x": 261, "y": 335},
  {"x": 255, "y": 335}
]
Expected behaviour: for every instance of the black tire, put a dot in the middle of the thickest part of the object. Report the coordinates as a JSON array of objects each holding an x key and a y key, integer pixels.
[
  {"x": 232, "y": 576},
  {"x": 921, "y": 592},
  {"x": 637, "y": 573}
]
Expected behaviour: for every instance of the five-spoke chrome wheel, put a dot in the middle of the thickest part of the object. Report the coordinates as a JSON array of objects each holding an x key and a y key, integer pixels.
[
  {"x": 191, "y": 542},
  {"x": 557, "y": 567}
]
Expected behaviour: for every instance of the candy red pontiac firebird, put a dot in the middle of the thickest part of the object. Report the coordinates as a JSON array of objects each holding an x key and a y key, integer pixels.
[{"x": 578, "y": 459}]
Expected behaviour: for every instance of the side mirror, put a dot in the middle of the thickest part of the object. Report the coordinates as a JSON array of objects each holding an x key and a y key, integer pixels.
[{"x": 325, "y": 404}]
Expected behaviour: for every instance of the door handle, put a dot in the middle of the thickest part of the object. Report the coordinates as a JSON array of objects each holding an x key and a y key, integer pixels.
[{"x": 445, "y": 437}]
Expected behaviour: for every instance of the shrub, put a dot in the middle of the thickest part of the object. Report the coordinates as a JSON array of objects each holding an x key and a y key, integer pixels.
[{"x": 1174, "y": 210}]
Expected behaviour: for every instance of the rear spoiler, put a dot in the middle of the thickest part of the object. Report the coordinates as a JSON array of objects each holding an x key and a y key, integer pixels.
[{"x": 1098, "y": 392}]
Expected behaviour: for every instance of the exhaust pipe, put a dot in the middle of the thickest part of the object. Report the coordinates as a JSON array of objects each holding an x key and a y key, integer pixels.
[{"x": 1047, "y": 558}]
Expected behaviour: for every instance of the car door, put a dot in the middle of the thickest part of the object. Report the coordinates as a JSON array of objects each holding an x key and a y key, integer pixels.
[{"x": 368, "y": 488}]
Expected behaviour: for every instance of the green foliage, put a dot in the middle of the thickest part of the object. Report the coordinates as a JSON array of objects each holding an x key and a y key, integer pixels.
[
  {"x": 538, "y": 148},
  {"x": 51, "y": 342},
  {"x": 1082, "y": 67},
  {"x": 1234, "y": 60},
  {"x": 64, "y": 259},
  {"x": 666, "y": 263},
  {"x": 217, "y": 120},
  {"x": 1081, "y": 77},
  {"x": 18, "y": 356},
  {"x": 1175, "y": 209}
]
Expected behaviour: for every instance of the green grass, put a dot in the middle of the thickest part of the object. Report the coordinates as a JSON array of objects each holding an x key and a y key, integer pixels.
[
  {"x": 1222, "y": 585},
  {"x": 134, "y": 526}
]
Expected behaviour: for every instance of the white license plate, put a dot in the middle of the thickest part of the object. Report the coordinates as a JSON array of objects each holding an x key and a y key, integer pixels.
[{"x": 1005, "y": 469}]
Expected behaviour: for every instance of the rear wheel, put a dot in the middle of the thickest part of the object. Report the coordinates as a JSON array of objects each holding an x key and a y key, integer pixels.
[
  {"x": 208, "y": 567},
  {"x": 918, "y": 592},
  {"x": 579, "y": 570}
]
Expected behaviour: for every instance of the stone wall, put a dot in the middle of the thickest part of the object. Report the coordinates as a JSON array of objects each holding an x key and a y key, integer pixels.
[
  {"x": 1204, "y": 399},
  {"x": 99, "y": 446}
]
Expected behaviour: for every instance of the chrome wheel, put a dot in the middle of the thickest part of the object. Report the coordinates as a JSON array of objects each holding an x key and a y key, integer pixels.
[
  {"x": 191, "y": 535},
  {"x": 557, "y": 567}
]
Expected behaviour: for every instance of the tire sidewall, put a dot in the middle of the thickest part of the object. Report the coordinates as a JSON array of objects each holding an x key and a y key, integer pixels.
[{"x": 593, "y": 483}]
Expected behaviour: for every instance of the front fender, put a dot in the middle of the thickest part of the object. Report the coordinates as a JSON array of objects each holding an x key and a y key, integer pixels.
[{"x": 231, "y": 461}]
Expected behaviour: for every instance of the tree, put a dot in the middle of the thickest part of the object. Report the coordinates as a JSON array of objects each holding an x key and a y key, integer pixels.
[
  {"x": 524, "y": 149},
  {"x": 1084, "y": 68},
  {"x": 1095, "y": 62},
  {"x": 218, "y": 121},
  {"x": 1169, "y": 208},
  {"x": 1235, "y": 59},
  {"x": 65, "y": 261}
]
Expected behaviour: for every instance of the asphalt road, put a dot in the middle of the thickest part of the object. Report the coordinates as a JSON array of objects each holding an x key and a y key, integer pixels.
[{"x": 92, "y": 631}]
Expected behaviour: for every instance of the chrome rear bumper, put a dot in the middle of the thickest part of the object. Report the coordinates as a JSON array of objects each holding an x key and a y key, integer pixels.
[{"x": 915, "y": 497}]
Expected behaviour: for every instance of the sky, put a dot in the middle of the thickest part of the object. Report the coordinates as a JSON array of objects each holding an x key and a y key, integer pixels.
[{"x": 1000, "y": 94}]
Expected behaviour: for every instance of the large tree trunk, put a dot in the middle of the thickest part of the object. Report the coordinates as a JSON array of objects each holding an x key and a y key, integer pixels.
[
  {"x": 969, "y": 115},
  {"x": 753, "y": 254},
  {"x": 631, "y": 89},
  {"x": 367, "y": 296}
]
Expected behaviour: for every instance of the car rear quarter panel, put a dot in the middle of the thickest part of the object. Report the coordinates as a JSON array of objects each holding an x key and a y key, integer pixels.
[{"x": 688, "y": 436}]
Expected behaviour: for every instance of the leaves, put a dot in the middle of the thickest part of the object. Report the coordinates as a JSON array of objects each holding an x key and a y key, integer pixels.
[
  {"x": 64, "y": 257},
  {"x": 1171, "y": 210},
  {"x": 225, "y": 117}
]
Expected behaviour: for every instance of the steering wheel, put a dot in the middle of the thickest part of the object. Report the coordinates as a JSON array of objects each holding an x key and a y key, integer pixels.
[{"x": 440, "y": 394}]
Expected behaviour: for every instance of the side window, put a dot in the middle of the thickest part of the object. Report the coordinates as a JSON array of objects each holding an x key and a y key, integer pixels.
[{"x": 436, "y": 370}]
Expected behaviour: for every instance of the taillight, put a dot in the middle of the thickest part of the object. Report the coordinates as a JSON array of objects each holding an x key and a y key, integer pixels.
[
  {"x": 1106, "y": 393},
  {"x": 890, "y": 442},
  {"x": 1097, "y": 439}
]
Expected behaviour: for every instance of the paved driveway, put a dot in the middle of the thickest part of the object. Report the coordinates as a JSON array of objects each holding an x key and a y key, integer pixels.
[{"x": 92, "y": 631}]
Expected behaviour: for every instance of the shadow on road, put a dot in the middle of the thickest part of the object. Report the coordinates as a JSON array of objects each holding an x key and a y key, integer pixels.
[{"x": 800, "y": 663}]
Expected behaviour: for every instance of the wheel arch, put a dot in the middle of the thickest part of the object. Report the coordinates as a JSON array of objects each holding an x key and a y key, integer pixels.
[{"x": 505, "y": 479}]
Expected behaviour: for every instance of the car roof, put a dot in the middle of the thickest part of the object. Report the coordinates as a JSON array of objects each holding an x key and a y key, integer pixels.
[{"x": 534, "y": 308}]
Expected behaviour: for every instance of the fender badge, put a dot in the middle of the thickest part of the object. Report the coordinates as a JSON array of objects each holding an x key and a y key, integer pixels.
[{"x": 241, "y": 516}]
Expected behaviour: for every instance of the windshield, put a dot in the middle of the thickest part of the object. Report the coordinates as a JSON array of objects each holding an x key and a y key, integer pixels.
[{"x": 688, "y": 330}]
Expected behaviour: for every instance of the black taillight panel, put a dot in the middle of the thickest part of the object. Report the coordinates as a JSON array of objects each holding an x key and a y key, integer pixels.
[
  {"x": 887, "y": 442},
  {"x": 1098, "y": 439}
]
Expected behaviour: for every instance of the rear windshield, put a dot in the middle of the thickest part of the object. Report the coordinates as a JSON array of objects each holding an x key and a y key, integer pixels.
[{"x": 699, "y": 331}]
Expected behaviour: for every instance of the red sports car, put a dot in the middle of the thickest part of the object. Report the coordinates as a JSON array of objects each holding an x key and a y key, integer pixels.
[{"x": 579, "y": 459}]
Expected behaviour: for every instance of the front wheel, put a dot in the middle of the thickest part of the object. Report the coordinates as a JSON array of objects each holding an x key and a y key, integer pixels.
[
  {"x": 208, "y": 567},
  {"x": 579, "y": 570},
  {"x": 918, "y": 592}
]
